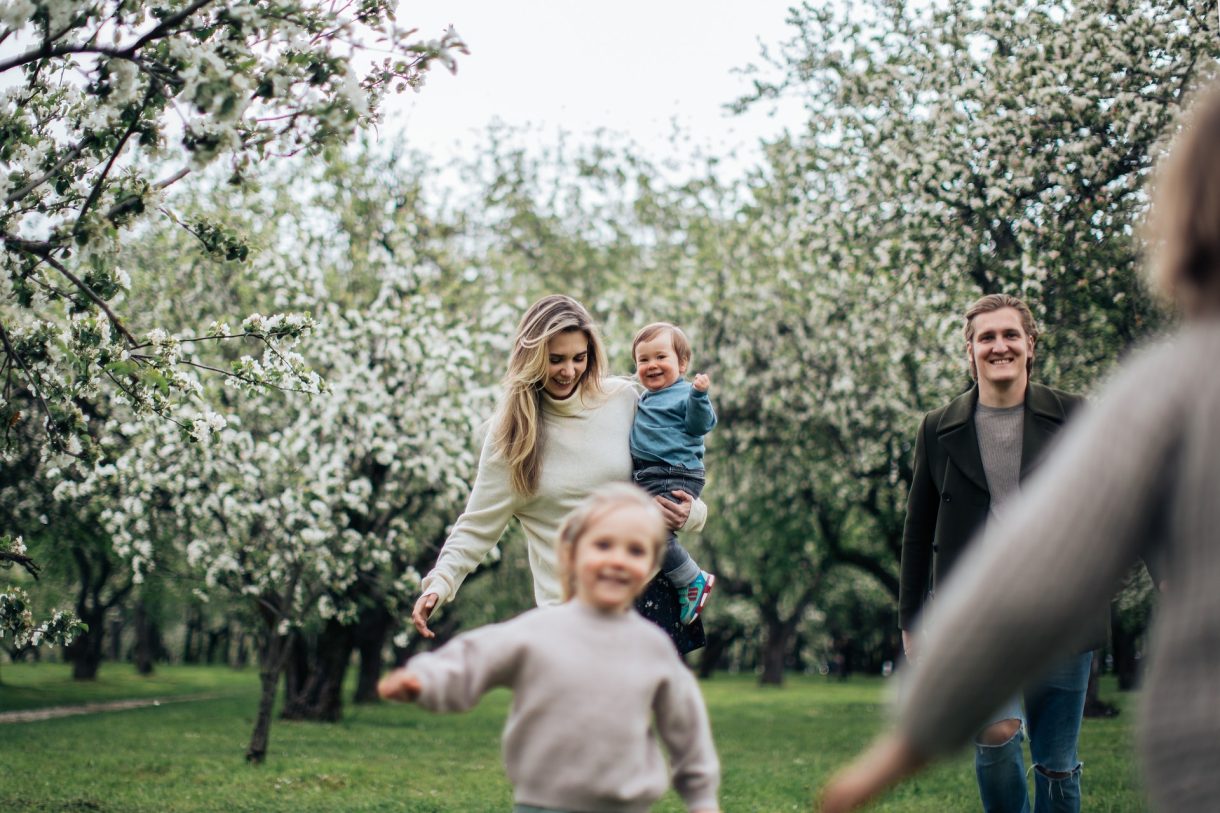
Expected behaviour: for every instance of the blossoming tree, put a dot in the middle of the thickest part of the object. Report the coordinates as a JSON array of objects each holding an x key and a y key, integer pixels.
[{"x": 106, "y": 105}]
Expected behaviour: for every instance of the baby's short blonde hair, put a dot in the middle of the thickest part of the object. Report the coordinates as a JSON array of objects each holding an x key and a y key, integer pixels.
[
  {"x": 649, "y": 332},
  {"x": 591, "y": 509}
]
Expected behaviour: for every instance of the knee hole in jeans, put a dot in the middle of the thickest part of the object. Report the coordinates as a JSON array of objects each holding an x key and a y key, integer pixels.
[
  {"x": 1056, "y": 775},
  {"x": 1000, "y": 733}
]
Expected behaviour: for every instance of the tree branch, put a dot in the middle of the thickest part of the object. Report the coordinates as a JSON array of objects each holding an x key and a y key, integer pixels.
[
  {"x": 26, "y": 562},
  {"x": 45, "y": 254},
  {"x": 12, "y": 353},
  {"x": 48, "y": 51},
  {"x": 96, "y": 192},
  {"x": 41, "y": 179}
]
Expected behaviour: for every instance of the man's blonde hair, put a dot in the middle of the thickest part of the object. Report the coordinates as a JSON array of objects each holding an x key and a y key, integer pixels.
[{"x": 597, "y": 505}]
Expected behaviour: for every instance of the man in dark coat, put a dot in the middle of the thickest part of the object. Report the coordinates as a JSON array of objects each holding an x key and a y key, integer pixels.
[{"x": 971, "y": 456}]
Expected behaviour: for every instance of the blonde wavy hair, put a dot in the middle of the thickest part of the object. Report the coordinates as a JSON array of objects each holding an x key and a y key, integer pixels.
[
  {"x": 592, "y": 509},
  {"x": 1183, "y": 224},
  {"x": 518, "y": 428}
]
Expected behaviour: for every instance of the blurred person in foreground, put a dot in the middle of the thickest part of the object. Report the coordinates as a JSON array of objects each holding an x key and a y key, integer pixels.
[
  {"x": 1136, "y": 474},
  {"x": 972, "y": 457}
]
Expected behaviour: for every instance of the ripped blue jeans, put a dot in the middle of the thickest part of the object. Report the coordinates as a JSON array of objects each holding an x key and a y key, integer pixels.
[{"x": 1052, "y": 710}]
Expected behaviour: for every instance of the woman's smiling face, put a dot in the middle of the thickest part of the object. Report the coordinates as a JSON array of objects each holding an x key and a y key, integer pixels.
[{"x": 567, "y": 360}]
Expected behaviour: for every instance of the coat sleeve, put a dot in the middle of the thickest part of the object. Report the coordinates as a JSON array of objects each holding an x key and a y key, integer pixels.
[
  {"x": 477, "y": 530},
  {"x": 923, "y": 506},
  {"x": 682, "y": 724}
]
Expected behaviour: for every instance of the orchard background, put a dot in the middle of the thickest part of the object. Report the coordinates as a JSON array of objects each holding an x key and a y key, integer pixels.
[{"x": 248, "y": 340}]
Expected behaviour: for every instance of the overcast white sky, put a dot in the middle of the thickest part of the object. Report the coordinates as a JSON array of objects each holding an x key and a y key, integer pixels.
[{"x": 631, "y": 66}]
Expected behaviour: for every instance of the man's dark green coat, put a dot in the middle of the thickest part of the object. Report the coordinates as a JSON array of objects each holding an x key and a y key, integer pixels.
[{"x": 949, "y": 500}]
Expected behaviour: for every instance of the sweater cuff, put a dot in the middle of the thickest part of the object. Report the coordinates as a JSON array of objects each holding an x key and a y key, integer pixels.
[{"x": 436, "y": 582}]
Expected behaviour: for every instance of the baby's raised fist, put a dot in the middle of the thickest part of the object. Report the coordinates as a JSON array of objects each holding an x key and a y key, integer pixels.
[{"x": 702, "y": 382}]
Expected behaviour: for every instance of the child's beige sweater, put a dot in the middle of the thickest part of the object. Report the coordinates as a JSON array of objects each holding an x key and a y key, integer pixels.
[{"x": 588, "y": 689}]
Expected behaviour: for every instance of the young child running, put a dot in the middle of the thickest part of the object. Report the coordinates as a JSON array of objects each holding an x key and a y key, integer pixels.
[
  {"x": 671, "y": 419},
  {"x": 590, "y": 677}
]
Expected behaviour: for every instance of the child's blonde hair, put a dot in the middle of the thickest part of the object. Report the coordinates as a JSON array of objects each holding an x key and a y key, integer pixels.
[
  {"x": 591, "y": 509},
  {"x": 1184, "y": 219},
  {"x": 649, "y": 332},
  {"x": 518, "y": 432}
]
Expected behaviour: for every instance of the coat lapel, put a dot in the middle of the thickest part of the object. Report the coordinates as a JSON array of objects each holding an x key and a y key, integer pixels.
[
  {"x": 959, "y": 440},
  {"x": 1044, "y": 416}
]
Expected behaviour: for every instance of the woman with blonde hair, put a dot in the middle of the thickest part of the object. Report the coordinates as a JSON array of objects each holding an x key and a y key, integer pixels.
[
  {"x": 1135, "y": 476},
  {"x": 561, "y": 432}
]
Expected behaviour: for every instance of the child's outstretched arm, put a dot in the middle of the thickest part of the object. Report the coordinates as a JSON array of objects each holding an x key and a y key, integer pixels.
[
  {"x": 454, "y": 677},
  {"x": 401, "y": 685}
]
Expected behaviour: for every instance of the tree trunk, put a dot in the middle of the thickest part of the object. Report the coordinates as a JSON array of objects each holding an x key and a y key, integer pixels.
[
  {"x": 271, "y": 663},
  {"x": 314, "y": 678},
  {"x": 194, "y": 631},
  {"x": 85, "y": 651},
  {"x": 146, "y": 645},
  {"x": 774, "y": 648},
  {"x": 115, "y": 639},
  {"x": 370, "y": 634},
  {"x": 242, "y": 658},
  {"x": 713, "y": 652},
  {"x": 217, "y": 640}
]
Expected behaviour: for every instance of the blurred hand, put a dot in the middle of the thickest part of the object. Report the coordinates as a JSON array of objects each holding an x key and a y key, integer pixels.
[
  {"x": 702, "y": 382},
  {"x": 675, "y": 513},
  {"x": 423, "y": 610},
  {"x": 887, "y": 762},
  {"x": 399, "y": 685}
]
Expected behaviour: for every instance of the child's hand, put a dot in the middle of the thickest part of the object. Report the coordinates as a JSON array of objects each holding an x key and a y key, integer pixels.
[
  {"x": 399, "y": 685},
  {"x": 890, "y": 760},
  {"x": 702, "y": 382}
]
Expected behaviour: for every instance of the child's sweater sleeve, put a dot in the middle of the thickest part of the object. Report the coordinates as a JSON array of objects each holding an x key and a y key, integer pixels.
[
  {"x": 477, "y": 530},
  {"x": 700, "y": 415},
  {"x": 454, "y": 677},
  {"x": 683, "y": 726}
]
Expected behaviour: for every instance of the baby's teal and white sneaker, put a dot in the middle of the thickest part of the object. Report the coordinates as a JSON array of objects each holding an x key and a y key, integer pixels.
[{"x": 692, "y": 598}]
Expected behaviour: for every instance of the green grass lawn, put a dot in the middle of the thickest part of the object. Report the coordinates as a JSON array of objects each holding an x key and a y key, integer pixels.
[{"x": 776, "y": 747}]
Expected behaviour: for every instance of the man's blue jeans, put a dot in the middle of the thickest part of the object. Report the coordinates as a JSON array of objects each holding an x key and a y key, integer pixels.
[{"x": 1053, "y": 708}]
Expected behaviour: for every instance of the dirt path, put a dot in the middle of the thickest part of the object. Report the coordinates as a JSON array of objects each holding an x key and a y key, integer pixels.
[{"x": 34, "y": 715}]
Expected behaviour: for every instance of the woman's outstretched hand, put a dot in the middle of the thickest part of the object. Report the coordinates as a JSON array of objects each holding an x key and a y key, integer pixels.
[
  {"x": 423, "y": 610},
  {"x": 675, "y": 513},
  {"x": 399, "y": 685},
  {"x": 890, "y": 760}
]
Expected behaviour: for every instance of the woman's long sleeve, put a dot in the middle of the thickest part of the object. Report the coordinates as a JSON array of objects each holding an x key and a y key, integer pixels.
[{"x": 477, "y": 530}]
